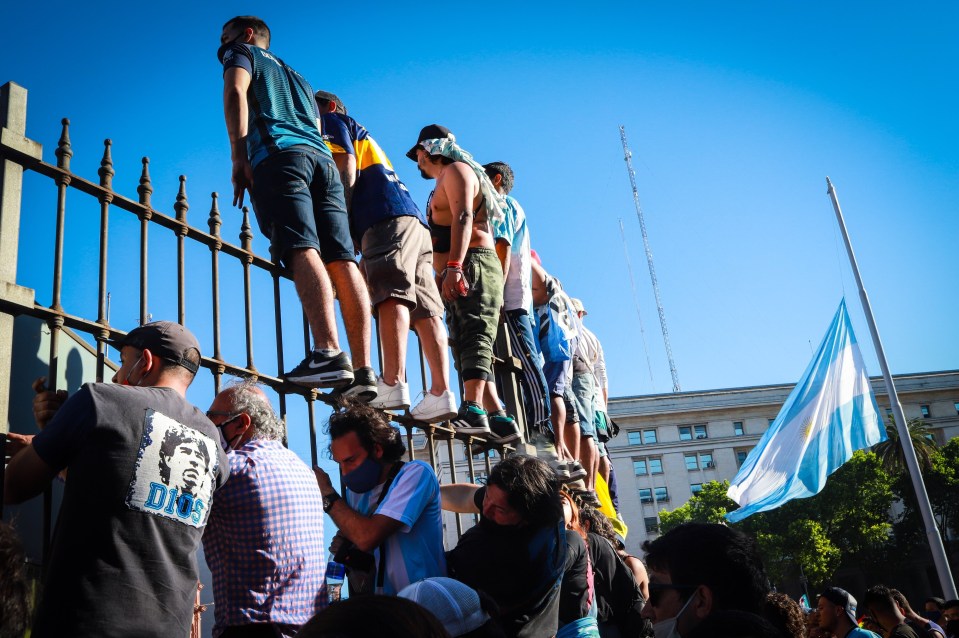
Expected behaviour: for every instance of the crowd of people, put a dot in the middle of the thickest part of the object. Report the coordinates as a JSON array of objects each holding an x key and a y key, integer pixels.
[
  {"x": 148, "y": 477},
  {"x": 323, "y": 194}
]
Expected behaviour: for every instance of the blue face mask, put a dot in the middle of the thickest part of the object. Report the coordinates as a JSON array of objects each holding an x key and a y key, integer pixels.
[{"x": 365, "y": 477}]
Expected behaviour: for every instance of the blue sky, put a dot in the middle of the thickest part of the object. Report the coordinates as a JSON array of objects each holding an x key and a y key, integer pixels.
[{"x": 735, "y": 112}]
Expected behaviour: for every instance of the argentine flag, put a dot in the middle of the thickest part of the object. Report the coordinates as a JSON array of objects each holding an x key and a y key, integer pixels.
[{"x": 830, "y": 414}]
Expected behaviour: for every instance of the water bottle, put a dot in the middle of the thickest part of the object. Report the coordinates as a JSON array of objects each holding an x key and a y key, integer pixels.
[{"x": 335, "y": 573}]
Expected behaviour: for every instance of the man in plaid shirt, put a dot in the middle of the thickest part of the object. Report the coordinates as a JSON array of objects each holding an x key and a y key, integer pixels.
[{"x": 264, "y": 539}]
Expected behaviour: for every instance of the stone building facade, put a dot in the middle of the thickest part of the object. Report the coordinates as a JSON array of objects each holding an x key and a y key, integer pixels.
[{"x": 670, "y": 444}]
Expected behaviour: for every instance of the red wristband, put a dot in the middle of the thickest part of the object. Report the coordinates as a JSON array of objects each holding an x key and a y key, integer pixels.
[{"x": 454, "y": 264}]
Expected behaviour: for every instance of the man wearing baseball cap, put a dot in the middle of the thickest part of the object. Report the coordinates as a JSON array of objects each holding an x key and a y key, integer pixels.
[
  {"x": 461, "y": 211},
  {"x": 837, "y": 614},
  {"x": 143, "y": 465}
]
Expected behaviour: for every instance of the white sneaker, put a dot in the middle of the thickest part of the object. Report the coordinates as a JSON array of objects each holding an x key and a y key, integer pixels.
[
  {"x": 434, "y": 409},
  {"x": 391, "y": 397}
]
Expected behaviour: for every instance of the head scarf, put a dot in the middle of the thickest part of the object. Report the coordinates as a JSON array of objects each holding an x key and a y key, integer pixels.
[{"x": 495, "y": 203}]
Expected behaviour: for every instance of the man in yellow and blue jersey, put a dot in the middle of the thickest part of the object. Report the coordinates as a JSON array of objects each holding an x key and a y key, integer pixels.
[{"x": 394, "y": 239}]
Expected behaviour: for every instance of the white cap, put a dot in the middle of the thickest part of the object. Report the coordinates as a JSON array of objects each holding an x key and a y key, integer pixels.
[{"x": 455, "y": 605}]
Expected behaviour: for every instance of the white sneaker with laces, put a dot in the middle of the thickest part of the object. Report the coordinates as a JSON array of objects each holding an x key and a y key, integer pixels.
[
  {"x": 391, "y": 397},
  {"x": 434, "y": 409}
]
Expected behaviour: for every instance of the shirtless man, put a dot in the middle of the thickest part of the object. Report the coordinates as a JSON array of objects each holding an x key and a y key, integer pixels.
[{"x": 464, "y": 255}]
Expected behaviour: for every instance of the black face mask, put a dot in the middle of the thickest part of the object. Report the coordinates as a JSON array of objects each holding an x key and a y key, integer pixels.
[
  {"x": 495, "y": 528},
  {"x": 952, "y": 628},
  {"x": 223, "y": 47}
]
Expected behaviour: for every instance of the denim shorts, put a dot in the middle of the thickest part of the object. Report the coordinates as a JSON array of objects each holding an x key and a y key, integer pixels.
[
  {"x": 298, "y": 200},
  {"x": 583, "y": 388}
]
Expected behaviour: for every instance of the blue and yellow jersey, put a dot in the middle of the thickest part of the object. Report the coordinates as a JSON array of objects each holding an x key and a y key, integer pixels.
[
  {"x": 282, "y": 108},
  {"x": 378, "y": 194}
]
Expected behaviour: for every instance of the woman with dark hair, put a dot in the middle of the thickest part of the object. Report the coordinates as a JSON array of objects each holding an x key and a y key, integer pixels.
[
  {"x": 577, "y": 616},
  {"x": 619, "y": 599},
  {"x": 517, "y": 552}
]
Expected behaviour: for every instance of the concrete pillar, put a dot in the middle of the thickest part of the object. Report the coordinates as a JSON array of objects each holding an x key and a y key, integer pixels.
[{"x": 13, "y": 130}]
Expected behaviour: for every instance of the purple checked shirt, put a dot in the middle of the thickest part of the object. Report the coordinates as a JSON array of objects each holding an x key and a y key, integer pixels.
[{"x": 264, "y": 540}]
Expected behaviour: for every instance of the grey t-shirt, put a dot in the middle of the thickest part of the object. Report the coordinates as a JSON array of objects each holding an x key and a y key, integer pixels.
[{"x": 142, "y": 468}]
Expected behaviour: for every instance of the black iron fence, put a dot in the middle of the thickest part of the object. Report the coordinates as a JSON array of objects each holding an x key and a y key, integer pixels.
[{"x": 19, "y": 154}]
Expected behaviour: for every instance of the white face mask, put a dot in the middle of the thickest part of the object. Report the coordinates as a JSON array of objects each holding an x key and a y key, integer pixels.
[
  {"x": 667, "y": 628},
  {"x": 130, "y": 374}
]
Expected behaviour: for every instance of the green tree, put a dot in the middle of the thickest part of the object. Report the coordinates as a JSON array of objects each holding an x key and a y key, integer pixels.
[
  {"x": 942, "y": 484},
  {"x": 709, "y": 505},
  {"x": 891, "y": 452},
  {"x": 803, "y": 544},
  {"x": 848, "y": 521},
  {"x": 941, "y": 479}
]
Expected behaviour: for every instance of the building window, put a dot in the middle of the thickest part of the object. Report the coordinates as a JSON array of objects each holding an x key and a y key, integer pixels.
[
  {"x": 656, "y": 466},
  {"x": 706, "y": 461},
  {"x": 639, "y": 467},
  {"x": 925, "y": 411},
  {"x": 701, "y": 461},
  {"x": 634, "y": 438},
  {"x": 645, "y": 495},
  {"x": 696, "y": 488},
  {"x": 662, "y": 495},
  {"x": 652, "y": 524},
  {"x": 738, "y": 428},
  {"x": 649, "y": 436},
  {"x": 685, "y": 433},
  {"x": 741, "y": 457},
  {"x": 699, "y": 431}
]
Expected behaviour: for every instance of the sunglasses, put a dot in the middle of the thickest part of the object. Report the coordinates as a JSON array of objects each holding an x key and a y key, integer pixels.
[{"x": 656, "y": 590}]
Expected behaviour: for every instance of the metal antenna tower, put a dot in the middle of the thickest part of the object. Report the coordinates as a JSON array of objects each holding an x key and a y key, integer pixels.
[
  {"x": 649, "y": 257},
  {"x": 639, "y": 315}
]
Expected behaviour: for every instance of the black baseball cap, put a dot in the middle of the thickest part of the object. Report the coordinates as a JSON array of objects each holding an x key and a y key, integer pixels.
[
  {"x": 330, "y": 97},
  {"x": 165, "y": 339},
  {"x": 842, "y": 598},
  {"x": 431, "y": 132}
]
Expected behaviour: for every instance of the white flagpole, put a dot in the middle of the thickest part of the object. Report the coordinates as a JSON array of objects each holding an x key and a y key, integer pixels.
[{"x": 932, "y": 532}]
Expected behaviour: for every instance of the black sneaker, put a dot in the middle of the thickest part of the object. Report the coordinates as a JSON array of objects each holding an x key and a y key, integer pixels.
[
  {"x": 504, "y": 429},
  {"x": 470, "y": 420},
  {"x": 363, "y": 387},
  {"x": 319, "y": 371}
]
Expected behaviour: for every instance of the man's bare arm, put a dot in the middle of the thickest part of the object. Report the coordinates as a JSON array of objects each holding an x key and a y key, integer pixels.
[
  {"x": 458, "y": 185},
  {"x": 26, "y": 476},
  {"x": 236, "y": 83},
  {"x": 346, "y": 165},
  {"x": 540, "y": 296},
  {"x": 459, "y": 498},
  {"x": 366, "y": 532},
  {"x": 502, "y": 251}
]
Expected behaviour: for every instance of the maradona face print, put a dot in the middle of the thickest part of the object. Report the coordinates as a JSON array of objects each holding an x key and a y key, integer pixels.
[{"x": 175, "y": 471}]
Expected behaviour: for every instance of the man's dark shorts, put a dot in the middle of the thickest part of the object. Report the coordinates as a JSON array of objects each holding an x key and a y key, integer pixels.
[{"x": 298, "y": 199}]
